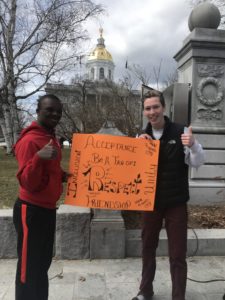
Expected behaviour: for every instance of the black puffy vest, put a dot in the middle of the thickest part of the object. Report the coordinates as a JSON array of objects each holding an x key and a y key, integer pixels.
[{"x": 172, "y": 180}]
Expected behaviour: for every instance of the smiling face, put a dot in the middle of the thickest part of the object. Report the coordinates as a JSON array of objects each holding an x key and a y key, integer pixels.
[
  {"x": 154, "y": 111},
  {"x": 49, "y": 113}
]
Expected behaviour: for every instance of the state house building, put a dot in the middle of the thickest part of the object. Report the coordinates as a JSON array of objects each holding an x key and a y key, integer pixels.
[{"x": 96, "y": 99}]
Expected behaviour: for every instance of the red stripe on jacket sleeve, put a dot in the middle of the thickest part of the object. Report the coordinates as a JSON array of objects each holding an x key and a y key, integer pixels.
[{"x": 24, "y": 245}]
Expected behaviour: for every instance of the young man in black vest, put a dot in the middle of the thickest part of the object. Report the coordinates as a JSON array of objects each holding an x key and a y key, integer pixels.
[{"x": 178, "y": 150}]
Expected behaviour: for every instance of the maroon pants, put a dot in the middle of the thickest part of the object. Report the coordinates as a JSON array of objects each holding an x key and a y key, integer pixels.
[{"x": 176, "y": 228}]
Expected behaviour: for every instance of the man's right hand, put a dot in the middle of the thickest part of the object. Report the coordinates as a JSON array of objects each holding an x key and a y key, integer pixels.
[
  {"x": 145, "y": 136},
  {"x": 48, "y": 152}
]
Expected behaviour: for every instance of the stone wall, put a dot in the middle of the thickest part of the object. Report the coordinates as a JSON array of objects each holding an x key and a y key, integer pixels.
[
  {"x": 7, "y": 234},
  {"x": 73, "y": 237},
  {"x": 72, "y": 233}
]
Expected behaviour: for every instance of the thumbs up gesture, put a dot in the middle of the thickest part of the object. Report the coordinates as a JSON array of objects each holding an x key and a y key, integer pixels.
[
  {"x": 187, "y": 137},
  {"x": 48, "y": 152}
]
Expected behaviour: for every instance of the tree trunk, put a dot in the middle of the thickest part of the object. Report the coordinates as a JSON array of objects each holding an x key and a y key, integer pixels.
[
  {"x": 14, "y": 114},
  {"x": 6, "y": 126}
]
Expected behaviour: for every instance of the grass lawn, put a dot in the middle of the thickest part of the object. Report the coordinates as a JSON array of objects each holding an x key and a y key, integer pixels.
[{"x": 8, "y": 180}]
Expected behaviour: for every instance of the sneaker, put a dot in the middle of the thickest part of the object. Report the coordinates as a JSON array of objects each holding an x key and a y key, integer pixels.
[{"x": 141, "y": 296}]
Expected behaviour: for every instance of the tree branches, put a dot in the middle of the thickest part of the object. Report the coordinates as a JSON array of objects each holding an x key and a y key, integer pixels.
[{"x": 38, "y": 40}]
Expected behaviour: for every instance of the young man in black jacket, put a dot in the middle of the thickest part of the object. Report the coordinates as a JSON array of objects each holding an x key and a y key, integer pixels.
[{"x": 178, "y": 150}]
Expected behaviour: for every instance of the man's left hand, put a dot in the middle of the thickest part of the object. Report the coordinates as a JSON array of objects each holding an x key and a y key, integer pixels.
[{"x": 187, "y": 138}]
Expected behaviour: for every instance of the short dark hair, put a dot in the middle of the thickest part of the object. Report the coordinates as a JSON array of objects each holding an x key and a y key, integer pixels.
[
  {"x": 154, "y": 93},
  {"x": 49, "y": 96}
]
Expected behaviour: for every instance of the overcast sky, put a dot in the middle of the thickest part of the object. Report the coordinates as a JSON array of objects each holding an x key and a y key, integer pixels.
[{"x": 144, "y": 32}]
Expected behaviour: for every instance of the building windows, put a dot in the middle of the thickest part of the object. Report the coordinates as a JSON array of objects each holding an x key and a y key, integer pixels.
[
  {"x": 101, "y": 73},
  {"x": 92, "y": 74},
  {"x": 110, "y": 75}
]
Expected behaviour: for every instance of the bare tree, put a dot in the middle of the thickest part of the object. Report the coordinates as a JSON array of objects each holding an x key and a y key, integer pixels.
[
  {"x": 137, "y": 74},
  {"x": 126, "y": 109},
  {"x": 157, "y": 73},
  {"x": 171, "y": 78},
  {"x": 82, "y": 107},
  {"x": 88, "y": 105},
  {"x": 39, "y": 39}
]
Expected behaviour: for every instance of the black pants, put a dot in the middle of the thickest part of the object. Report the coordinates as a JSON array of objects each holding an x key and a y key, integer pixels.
[
  {"x": 35, "y": 228},
  {"x": 176, "y": 227}
]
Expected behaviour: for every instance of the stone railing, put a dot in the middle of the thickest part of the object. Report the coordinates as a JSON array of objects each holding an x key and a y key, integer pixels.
[
  {"x": 72, "y": 240},
  {"x": 76, "y": 237}
]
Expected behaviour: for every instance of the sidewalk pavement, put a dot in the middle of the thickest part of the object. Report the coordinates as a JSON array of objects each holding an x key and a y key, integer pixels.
[{"x": 118, "y": 279}]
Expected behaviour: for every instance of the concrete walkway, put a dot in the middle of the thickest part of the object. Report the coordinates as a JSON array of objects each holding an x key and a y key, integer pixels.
[{"x": 119, "y": 279}]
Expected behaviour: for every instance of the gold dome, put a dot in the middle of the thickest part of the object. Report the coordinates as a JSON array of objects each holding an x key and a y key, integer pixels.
[{"x": 100, "y": 52}]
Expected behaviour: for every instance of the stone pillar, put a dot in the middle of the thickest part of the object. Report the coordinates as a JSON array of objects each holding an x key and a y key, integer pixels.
[
  {"x": 201, "y": 63},
  {"x": 107, "y": 226},
  {"x": 72, "y": 232},
  {"x": 107, "y": 234}
]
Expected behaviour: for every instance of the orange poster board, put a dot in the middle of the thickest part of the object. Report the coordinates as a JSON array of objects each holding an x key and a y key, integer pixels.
[{"x": 112, "y": 172}]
